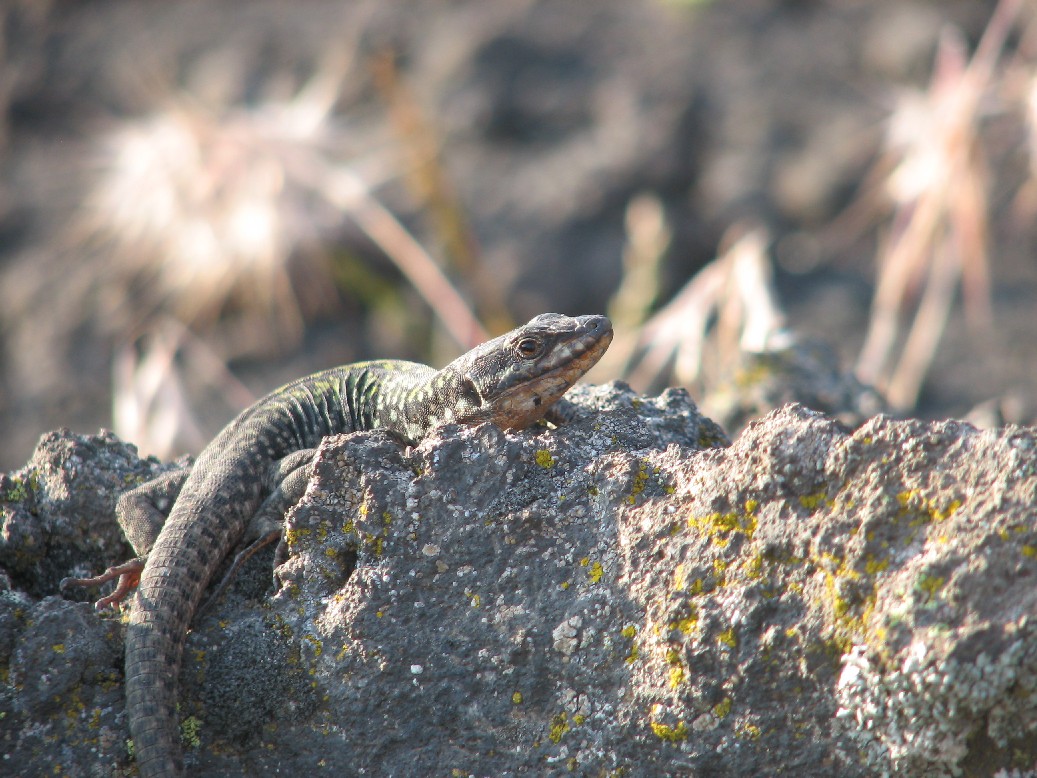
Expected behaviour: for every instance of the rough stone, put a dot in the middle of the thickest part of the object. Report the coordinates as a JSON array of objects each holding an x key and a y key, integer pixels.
[{"x": 625, "y": 594}]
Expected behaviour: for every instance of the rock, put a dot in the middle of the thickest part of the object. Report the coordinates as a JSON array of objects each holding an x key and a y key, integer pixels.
[
  {"x": 622, "y": 595},
  {"x": 806, "y": 372},
  {"x": 58, "y": 512}
]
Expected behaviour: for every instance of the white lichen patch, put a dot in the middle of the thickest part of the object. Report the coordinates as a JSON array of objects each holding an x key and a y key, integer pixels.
[{"x": 920, "y": 715}]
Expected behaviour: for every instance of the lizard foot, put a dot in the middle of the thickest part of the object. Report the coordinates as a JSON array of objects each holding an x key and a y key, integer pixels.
[{"x": 128, "y": 574}]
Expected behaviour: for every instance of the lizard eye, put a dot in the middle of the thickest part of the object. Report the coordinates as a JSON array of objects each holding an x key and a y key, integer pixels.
[{"x": 529, "y": 348}]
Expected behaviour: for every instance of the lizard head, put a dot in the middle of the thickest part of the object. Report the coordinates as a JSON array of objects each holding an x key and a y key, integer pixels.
[{"x": 512, "y": 380}]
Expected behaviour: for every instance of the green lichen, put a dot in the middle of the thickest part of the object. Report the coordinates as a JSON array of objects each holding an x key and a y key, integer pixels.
[
  {"x": 929, "y": 585},
  {"x": 189, "y": 730},
  {"x": 543, "y": 458},
  {"x": 21, "y": 487}
]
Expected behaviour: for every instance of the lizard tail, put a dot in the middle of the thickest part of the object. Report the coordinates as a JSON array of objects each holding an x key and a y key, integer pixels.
[{"x": 167, "y": 597}]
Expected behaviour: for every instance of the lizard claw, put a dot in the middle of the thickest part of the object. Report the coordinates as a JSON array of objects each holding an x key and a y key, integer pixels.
[{"x": 128, "y": 575}]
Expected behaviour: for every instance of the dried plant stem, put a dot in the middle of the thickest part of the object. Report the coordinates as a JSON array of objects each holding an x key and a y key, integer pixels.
[
  {"x": 926, "y": 331},
  {"x": 350, "y": 193}
]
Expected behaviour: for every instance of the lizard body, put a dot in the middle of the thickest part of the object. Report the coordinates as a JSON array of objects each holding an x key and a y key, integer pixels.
[{"x": 511, "y": 381}]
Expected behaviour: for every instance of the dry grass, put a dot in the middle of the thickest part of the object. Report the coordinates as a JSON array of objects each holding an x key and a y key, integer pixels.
[
  {"x": 727, "y": 307},
  {"x": 151, "y": 404},
  {"x": 236, "y": 207},
  {"x": 232, "y": 214},
  {"x": 935, "y": 174}
]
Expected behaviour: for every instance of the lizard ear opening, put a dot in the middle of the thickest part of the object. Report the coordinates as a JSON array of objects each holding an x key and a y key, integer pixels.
[{"x": 470, "y": 393}]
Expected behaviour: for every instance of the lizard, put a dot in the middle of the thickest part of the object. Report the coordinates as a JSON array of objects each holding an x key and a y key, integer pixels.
[{"x": 259, "y": 463}]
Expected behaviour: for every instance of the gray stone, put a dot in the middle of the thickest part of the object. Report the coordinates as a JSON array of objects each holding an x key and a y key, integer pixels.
[{"x": 622, "y": 595}]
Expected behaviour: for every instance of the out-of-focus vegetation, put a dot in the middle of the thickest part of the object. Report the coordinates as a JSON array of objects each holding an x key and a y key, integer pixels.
[{"x": 241, "y": 201}]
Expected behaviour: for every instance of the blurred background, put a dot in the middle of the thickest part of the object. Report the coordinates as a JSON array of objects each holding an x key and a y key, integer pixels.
[{"x": 828, "y": 201}]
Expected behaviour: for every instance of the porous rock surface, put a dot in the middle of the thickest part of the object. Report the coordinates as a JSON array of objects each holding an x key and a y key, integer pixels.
[{"x": 620, "y": 596}]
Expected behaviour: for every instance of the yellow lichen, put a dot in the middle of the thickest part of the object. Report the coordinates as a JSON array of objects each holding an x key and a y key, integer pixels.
[
  {"x": 640, "y": 481},
  {"x": 721, "y": 527},
  {"x": 722, "y": 708},
  {"x": 668, "y": 733},
  {"x": 313, "y": 640},
  {"x": 595, "y": 572},
  {"x": 559, "y": 726},
  {"x": 676, "y": 677},
  {"x": 728, "y": 638},
  {"x": 754, "y": 567},
  {"x": 929, "y": 584},
  {"x": 686, "y": 624},
  {"x": 679, "y": 578},
  {"x": 748, "y": 732},
  {"x": 813, "y": 501},
  {"x": 543, "y": 458},
  {"x": 634, "y": 655},
  {"x": 873, "y": 565}
]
